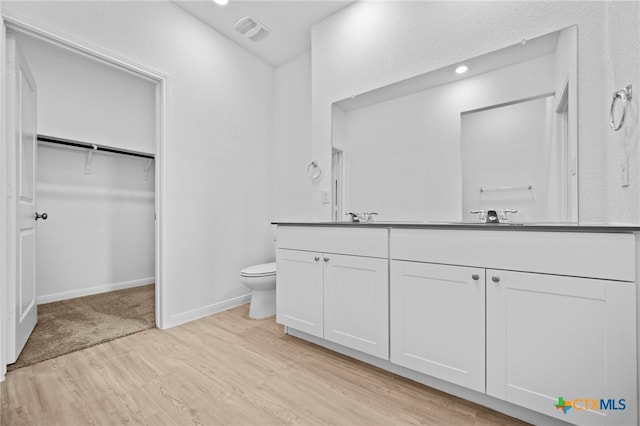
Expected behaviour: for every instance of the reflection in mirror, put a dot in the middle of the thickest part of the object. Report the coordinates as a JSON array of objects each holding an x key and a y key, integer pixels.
[
  {"x": 500, "y": 136},
  {"x": 336, "y": 184},
  {"x": 513, "y": 157}
]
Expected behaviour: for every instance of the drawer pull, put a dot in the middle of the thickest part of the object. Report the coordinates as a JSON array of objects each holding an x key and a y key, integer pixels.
[
  {"x": 495, "y": 279},
  {"x": 475, "y": 277},
  {"x": 316, "y": 258},
  {"x": 326, "y": 259}
]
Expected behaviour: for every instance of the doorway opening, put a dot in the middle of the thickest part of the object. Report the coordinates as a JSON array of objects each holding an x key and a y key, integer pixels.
[{"x": 109, "y": 196}]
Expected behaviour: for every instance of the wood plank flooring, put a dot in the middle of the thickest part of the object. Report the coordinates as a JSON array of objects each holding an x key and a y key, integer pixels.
[{"x": 224, "y": 369}]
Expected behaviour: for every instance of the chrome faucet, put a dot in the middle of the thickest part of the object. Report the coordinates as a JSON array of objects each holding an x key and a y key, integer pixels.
[
  {"x": 354, "y": 216},
  {"x": 482, "y": 215},
  {"x": 502, "y": 214},
  {"x": 366, "y": 217},
  {"x": 490, "y": 216},
  {"x": 361, "y": 217}
]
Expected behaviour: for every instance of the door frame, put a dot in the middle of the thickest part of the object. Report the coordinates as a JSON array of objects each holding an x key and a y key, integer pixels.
[
  {"x": 16, "y": 24},
  {"x": 337, "y": 184}
]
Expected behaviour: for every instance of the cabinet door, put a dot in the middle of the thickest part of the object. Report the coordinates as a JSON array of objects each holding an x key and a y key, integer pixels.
[
  {"x": 356, "y": 303},
  {"x": 438, "y": 321},
  {"x": 299, "y": 290},
  {"x": 553, "y": 336}
]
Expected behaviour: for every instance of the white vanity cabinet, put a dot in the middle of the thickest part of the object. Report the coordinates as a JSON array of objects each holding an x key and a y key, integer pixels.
[
  {"x": 356, "y": 303},
  {"x": 560, "y": 311},
  {"x": 333, "y": 283},
  {"x": 550, "y": 336},
  {"x": 299, "y": 290},
  {"x": 438, "y": 321}
]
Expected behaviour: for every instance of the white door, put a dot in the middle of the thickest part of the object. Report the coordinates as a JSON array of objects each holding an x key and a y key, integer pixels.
[
  {"x": 21, "y": 166},
  {"x": 553, "y": 340},
  {"x": 437, "y": 321},
  {"x": 299, "y": 290},
  {"x": 356, "y": 303}
]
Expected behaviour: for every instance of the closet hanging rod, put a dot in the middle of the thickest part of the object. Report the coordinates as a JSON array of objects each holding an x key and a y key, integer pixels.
[{"x": 68, "y": 142}]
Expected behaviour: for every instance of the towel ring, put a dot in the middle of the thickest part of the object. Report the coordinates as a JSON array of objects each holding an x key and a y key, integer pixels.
[
  {"x": 314, "y": 171},
  {"x": 625, "y": 96}
]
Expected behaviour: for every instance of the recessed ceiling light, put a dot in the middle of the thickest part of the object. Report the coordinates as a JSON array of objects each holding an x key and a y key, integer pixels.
[
  {"x": 221, "y": 2},
  {"x": 461, "y": 69}
]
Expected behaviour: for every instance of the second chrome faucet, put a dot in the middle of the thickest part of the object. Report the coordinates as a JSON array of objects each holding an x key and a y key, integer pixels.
[
  {"x": 491, "y": 216},
  {"x": 361, "y": 217}
]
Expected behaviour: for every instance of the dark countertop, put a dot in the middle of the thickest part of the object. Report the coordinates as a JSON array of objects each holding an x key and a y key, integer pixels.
[{"x": 548, "y": 227}]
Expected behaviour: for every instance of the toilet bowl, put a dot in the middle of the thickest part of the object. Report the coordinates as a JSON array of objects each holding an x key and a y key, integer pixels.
[{"x": 261, "y": 279}]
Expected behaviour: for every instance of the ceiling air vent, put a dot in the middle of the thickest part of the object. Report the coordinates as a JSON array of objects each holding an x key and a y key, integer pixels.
[{"x": 251, "y": 29}]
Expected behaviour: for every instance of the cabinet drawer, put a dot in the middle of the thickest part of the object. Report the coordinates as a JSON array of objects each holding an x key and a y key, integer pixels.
[
  {"x": 581, "y": 254},
  {"x": 344, "y": 240}
]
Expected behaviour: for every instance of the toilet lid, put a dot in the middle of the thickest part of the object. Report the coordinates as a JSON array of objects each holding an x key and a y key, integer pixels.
[{"x": 261, "y": 270}]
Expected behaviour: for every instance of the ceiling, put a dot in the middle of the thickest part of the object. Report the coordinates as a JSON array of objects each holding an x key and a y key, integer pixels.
[{"x": 290, "y": 22}]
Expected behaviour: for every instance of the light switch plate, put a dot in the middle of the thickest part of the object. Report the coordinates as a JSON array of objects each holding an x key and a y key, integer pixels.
[
  {"x": 624, "y": 171},
  {"x": 326, "y": 196}
]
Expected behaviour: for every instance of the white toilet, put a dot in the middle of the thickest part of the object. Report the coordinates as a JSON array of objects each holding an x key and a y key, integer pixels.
[{"x": 262, "y": 280}]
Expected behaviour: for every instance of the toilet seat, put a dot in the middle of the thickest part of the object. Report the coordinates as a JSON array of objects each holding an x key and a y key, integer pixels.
[{"x": 262, "y": 270}]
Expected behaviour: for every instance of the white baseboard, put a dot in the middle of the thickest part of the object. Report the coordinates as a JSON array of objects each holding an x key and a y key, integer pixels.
[
  {"x": 55, "y": 297},
  {"x": 214, "y": 308}
]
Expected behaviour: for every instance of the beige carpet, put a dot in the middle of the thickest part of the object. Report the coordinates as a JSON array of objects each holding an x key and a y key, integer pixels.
[{"x": 75, "y": 324}]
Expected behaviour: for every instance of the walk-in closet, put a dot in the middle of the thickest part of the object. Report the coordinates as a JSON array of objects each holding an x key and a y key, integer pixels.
[{"x": 95, "y": 187}]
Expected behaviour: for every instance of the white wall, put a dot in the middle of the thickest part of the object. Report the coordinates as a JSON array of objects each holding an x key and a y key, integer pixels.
[
  {"x": 85, "y": 100},
  {"x": 622, "y": 61},
  {"x": 218, "y": 134},
  {"x": 503, "y": 147},
  {"x": 100, "y": 234},
  {"x": 291, "y": 153},
  {"x": 372, "y": 44}
]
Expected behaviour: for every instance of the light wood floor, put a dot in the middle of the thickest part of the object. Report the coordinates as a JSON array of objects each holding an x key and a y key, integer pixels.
[{"x": 223, "y": 370}]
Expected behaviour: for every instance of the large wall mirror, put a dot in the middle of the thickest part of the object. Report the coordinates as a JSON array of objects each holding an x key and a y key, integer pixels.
[{"x": 502, "y": 135}]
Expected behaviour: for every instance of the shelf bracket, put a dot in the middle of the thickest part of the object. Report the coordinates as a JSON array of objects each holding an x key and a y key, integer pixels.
[
  {"x": 146, "y": 168},
  {"x": 87, "y": 163}
]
